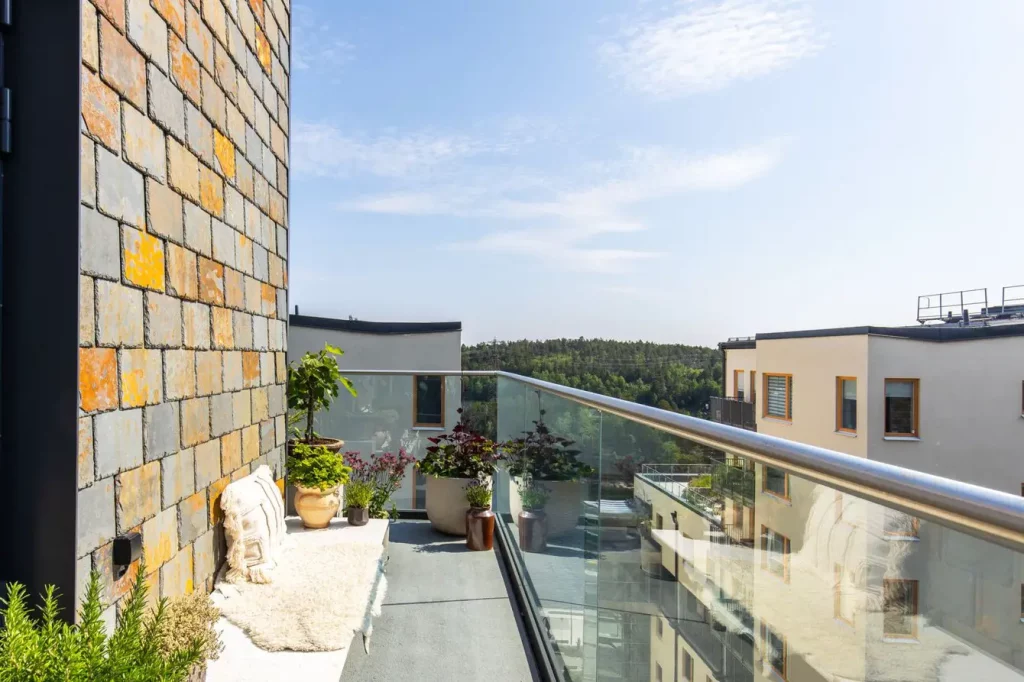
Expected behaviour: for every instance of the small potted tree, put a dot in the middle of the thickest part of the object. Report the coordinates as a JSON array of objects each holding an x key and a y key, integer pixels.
[
  {"x": 479, "y": 517},
  {"x": 358, "y": 496},
  {"x": 533, "y": 520},
  {"x": 550, "y": 461},
  {"x": 453, "y": 460},
  {"x": 317, "y": 474},
  {"x": 313, "y": 383}
]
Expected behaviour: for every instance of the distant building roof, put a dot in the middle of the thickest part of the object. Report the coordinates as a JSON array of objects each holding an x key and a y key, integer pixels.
[
  {"x": 367, "y": 327},
  {"x": 938, "y": 333}
]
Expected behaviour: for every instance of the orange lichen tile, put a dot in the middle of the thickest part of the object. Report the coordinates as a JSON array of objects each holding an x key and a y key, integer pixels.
[
  {"x": 225, "y": 153},
  {"x": 97, "y": 378},
  {"x": 211, "y": 191},
  {"x": 143, "y": 259},
  {"x": 263, "y": 49}
]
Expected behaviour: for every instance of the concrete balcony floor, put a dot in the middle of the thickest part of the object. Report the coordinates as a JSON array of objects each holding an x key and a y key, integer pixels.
[{"x": 448, "y": 616}]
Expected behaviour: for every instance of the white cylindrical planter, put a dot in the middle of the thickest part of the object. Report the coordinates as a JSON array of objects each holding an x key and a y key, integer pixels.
[
  {"x": 564, "y": 507},
  {"x": 446, "y": 504}
]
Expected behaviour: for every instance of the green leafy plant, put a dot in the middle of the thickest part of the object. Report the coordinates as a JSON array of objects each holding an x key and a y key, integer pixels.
[
  {"x": 359, "y": 494},
  {"x": 533, "y": 494},
  {"x": 460, "y": 454},
  {"x": 544, "y": 456},
  {"x": 478, "y": 494},
  {"x": 702, "y": 481},
  {"x": 314, "y": 466},
  {"x": 39, "y": 647},
  {"x": 313, "y": 385}
]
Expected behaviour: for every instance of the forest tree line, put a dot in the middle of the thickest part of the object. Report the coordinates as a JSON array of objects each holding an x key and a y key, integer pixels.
[{"x": 673, "y": 377}]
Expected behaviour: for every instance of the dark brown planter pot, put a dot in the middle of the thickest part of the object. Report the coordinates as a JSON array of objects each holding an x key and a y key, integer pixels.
[
  {"x": 358, "y": 516},
  {"x": 533, "y": 530},
  {"x": 332, "y": 444},
  {"x": 480, "y": 529}
]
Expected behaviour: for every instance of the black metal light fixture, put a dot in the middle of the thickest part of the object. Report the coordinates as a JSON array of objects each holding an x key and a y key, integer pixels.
[{"x": 127, "y": 549}]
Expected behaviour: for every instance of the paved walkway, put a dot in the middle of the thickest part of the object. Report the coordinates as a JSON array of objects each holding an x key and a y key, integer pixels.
[{"x": 447, "y": 617}]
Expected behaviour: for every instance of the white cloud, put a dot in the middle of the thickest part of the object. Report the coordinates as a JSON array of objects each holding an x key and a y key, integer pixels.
[
  {"x": 561, "y": 226},
  {"x": 701, "y": 46},
  {"x": 322, "y": 149},
  {"x": 315, "y": 47}
]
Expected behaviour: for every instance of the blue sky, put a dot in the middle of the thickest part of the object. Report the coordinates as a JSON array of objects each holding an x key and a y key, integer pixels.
[{"x": 676, "y": 172}]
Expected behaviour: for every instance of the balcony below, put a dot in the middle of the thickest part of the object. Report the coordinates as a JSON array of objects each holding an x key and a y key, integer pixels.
[{"x": 734, "y": 412}]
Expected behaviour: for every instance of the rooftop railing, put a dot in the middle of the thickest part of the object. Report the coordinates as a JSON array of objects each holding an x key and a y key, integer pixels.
[{"x": 679, "y": 559}]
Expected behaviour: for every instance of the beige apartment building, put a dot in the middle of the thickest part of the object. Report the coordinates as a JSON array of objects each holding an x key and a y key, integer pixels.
[
  {"x": 799, "y": 582},
  {"x": 944, "y": 400}
]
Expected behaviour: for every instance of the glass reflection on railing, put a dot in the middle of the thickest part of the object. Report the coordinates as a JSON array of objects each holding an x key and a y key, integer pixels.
[{"x": 670, "y": 560}]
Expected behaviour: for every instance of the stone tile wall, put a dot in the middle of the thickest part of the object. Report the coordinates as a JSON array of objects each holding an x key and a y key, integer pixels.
[{"x": 183, "y": 294}]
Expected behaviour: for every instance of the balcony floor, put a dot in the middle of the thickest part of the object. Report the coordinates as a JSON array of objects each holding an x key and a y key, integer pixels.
[{"x": 447, "y": 617}]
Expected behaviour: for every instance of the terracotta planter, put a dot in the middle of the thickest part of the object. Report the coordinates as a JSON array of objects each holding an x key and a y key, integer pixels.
[
  {"x": 446, "y": 504},
  {"x": 564, "y": 506},
  {"x": 358, "y": 516},
  {"x": 333, "y": 444},
  {"x": 317, "y": 507},
  {"x": 480, "y": 529},
  {"x": 533, "y": 530}
]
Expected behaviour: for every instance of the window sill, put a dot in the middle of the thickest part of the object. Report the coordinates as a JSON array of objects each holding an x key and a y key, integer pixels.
[
  {"x": 900, "y": 640},
  {"x": 846, "y": 434},
  {"x": 428, "y": 428},
  {"x": 902, "y": 438},
  {"x": 778, "y": 498},
  {"x": 778, "y": 420}
]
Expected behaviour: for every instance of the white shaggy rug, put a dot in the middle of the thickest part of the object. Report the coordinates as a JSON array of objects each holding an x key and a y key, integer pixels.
[{"x": 321, "y": 595}]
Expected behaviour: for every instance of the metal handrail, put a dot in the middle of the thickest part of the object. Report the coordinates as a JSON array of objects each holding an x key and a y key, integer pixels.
[{"x": 982, "y": 512}]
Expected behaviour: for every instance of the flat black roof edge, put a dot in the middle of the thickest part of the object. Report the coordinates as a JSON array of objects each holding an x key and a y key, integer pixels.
[
  {"x": 737, "y": 345},
  {"x": 923, "y": 333},
  {"x": 367, "y": 327}
]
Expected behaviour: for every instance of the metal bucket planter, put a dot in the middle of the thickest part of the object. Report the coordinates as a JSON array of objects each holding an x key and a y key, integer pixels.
[{"x": 446, "y": 504}]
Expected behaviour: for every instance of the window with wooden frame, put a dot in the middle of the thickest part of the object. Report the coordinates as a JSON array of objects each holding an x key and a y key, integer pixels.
[
  {"x": 687, "y": 666},
  {"x": 902, "y": 408},
  {"x": 900, "y": 525},
  {"x": 775, "y": 553},
  {"x": 428, "y": 401},
  {"x": 775, "y": 650},
  {"x": 737, "y": 384},
  {"x": 838, "y": 605},
  {"x": 778, "y": 396},
  {"x": 846, "y": 404},
  {"x": 899, "y": 609},
  {"x": 775, "y": 482},
  {"x": 753, "y": 387}
]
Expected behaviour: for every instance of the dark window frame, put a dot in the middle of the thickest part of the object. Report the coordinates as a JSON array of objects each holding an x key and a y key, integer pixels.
[
  {"x": 840, "y": 393},
  {"x": 416, "y": 422},
  {"x": 915, "y": 431},
  {"x": 912, "y": 615}
]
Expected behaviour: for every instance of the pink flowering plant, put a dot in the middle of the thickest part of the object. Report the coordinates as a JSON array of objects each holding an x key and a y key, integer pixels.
[
  {"x": 384, "y": 472},
  {"x": 460, "y": 454}
]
